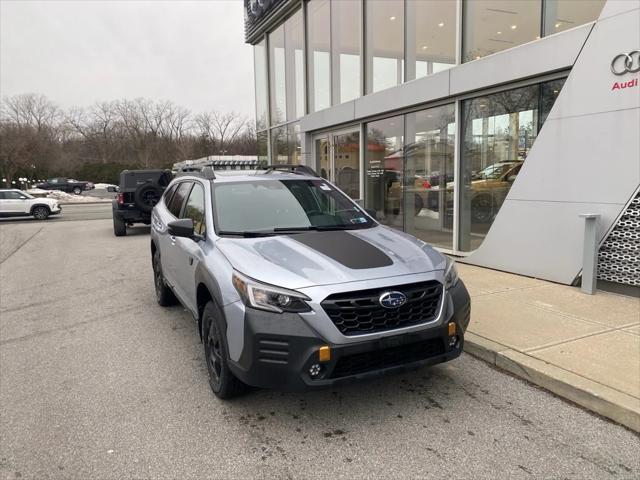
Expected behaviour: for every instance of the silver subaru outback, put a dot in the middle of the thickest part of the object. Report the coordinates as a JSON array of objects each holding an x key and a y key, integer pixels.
[{"x": 295, "y": 286}]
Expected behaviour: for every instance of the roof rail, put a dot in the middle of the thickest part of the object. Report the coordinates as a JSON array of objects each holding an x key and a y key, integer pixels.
[{"x": 293, "y": 168}]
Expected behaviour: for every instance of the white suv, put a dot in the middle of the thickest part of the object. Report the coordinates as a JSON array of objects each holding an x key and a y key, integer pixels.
[{"x": 16, "y": 203}]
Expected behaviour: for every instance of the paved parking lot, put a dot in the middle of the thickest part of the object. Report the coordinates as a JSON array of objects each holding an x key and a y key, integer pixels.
[{"x": 97, "y": 381}]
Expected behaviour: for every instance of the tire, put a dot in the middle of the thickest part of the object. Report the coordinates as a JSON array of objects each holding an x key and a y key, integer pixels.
[
  {"x": 119, "y": 227},
  {"x": 482, "y": 209},
  {"x": 164, "y": 295},
  {"x": 77, "y": 190},
  {"x": 146, "y": 196},
  {"x": 221, "y": 380},
  {"x": 40, "y": 213}
]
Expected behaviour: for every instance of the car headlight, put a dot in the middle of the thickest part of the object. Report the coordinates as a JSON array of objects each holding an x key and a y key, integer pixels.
[
  {"x": 450, "y": 274},
  {"x": 268, "y": 297}
]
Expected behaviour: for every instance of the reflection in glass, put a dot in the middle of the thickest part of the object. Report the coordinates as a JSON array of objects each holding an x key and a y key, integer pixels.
[
  {"x": 346, "y": 153},
  {"x": 279, "y": 146},
  {"x": 277, "y": 76},
  {"x": 384, "y": 168},
  {"x": 345, "y": 47},
  {"x": 294, "y": 149},
  {"x": 260, "y": 66},
  {"x": 431, "y": 37},
  {"x": 261, "y": 147},
  {"x": 323, "y": 162},
  {"x": 562, "y": 15},
  {"x": 294, "y": 47},
  {"x": 490, "y": 26},
  {"x": 429, "y": 179},
  {"x": 384, "y": 44},
  {"x": 498, "y": 133},
  {"x": 319, "y": 42}
]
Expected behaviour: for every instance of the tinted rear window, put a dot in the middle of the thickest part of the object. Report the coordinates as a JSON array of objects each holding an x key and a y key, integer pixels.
[{"x": 175, "y": 205}]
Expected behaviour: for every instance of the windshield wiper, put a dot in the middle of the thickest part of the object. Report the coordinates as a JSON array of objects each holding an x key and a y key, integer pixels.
[
  {"x": 314, "y": 227},
  {"x": 247, "y": 234}
]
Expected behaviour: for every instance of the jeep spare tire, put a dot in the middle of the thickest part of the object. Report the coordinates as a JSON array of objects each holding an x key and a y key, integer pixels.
[{"x": 146, "y": 196}]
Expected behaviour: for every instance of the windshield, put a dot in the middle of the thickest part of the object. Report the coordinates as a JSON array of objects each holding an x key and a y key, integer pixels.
[{"x": 276, "y": 206}]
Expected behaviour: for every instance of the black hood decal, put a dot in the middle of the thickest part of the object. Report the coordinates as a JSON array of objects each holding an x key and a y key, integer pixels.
[{"x": 344, "y": 248}]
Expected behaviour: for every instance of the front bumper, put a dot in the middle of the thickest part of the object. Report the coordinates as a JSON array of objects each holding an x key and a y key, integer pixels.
[{"x": 280, "y": 349}]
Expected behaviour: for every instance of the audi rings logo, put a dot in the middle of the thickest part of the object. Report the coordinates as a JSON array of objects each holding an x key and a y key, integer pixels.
[{"x": 626, "y": 63}]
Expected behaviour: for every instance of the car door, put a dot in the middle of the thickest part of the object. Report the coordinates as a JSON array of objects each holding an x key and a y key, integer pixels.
[
  {"x": 188, "y": 252},
  {"x": 15, "y": 203},
  {"x": 168, "y": 248}
]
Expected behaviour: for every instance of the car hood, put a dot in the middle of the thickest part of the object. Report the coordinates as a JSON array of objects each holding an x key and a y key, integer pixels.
[{"x": 323, "y": 258}]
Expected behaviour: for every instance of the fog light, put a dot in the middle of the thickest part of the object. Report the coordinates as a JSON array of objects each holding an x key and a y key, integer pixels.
[
  {"x": 452, "y": 329},
  {"x": 324, "y": 354},
  {"x": 314, "y": 370},
  {"x": 453, "y": 341}
]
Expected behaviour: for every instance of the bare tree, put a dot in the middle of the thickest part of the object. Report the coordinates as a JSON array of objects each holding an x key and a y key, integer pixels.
[{"x": 224, "y": 128}]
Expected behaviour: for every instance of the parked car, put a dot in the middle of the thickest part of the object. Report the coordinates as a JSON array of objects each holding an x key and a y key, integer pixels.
[
  {"x": 67, "y": 185},
  {"x": 137, "y": 194},
  {"x": 16, "y": 203},
  {"x": 294, "y": 286}
]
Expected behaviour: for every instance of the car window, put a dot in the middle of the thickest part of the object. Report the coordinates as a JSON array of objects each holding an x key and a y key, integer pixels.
[
  {"x": 195, "y": 209},
  {"x": 53, "y": 180},
  {"x": 15, "y": 195},
  {"x": 168, "y": 193},
  {"x": 2, "y": 195},
  {"x": 298, "y": 204},
  {"x": 175, "y": 206}
]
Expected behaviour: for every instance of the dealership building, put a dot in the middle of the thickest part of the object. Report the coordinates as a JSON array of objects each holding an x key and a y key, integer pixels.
[{"x": 487, "y": 128}]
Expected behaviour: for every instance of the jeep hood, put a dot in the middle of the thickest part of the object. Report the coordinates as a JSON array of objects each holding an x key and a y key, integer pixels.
[{"x": 329, "y": 257}]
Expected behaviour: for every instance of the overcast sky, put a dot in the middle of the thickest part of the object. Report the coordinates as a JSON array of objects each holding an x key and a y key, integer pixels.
[{"x": 79, "y": 52}]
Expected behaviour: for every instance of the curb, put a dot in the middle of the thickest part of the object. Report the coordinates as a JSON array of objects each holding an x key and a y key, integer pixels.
[{"x": 613, "y": 404}]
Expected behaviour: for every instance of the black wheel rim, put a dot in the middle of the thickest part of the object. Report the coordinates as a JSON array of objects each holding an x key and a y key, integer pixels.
[
  {"x": 214, "y": 356},
  {"x": 39, "y": 213}
]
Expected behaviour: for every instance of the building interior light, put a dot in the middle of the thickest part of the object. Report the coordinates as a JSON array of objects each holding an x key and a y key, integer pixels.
[
  {"x": 557, "y": 25},
  {"x": 513, "y": 27},
  {"x": 424, "y": 47},
  {"x": 392, "y": 18},
  {"x": 441, "y": 24},
  {"x": 499, "y": 33}
]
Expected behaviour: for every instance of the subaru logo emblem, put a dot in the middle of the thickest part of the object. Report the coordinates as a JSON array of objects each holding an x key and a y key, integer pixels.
[{"x": 392, "y": 299}]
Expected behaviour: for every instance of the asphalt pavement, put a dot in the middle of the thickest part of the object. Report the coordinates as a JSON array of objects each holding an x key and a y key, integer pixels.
[{"x": 98, "y": 381}]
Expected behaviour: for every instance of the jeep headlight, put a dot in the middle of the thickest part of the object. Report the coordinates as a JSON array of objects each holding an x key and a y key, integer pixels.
[
  {"x": 269, "y": 297},
  {"x": 450, "y": 274}
]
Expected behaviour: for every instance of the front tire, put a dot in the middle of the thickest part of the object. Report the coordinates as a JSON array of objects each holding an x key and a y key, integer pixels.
[
  {"x": 41, "y": 213},
  {"x": 221, "y": 380},
  {"x": 119, "y": 227},
  {"x": 77, "y": 190},
  {"x": 164, "y": 295}
]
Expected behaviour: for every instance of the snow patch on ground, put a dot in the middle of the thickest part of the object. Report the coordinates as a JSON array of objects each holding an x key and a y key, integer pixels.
[
  {"x": 63, "y": 197},
  {"x": 103, "y": 186}
]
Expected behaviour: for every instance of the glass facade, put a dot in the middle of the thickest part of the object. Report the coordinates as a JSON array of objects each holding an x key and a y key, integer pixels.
[
  {"x": 319, "y": 52},
  {"x": 345, "y": 48},
  {"x": 431, "y": 37},
  {"x": 260, "y": 73},
  {"x": 407, "y": 175},
  {"x": 562, "y": 15},
  {"x": 498, "y": 132},
  {"x": 384, "y": 44},
  {"x": 494, "y": 25}
]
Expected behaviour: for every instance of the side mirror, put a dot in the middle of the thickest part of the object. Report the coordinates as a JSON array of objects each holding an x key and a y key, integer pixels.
[
  {"x": 372, "y": 213},
  {"x": 181, "y": 228}
]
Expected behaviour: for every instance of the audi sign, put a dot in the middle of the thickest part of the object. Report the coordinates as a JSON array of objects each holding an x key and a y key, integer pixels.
[{"x": 626, "y": 63}]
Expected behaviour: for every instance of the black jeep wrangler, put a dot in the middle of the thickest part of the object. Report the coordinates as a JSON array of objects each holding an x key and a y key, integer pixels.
[{"x": 138, "y": 193}]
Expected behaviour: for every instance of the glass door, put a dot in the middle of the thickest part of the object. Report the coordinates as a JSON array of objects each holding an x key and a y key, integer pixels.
[{"x": 337, "y": 157}]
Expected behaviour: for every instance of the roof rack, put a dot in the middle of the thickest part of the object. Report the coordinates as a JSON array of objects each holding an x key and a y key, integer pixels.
[
  {"x": 205, "y": 172},
  {"x": 293, "y": 168}
]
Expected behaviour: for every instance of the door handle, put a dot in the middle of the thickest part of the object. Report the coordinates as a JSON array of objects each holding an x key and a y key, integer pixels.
[
  {"x": 173, "y": 240},
  {"x": 190, "y": 260}
]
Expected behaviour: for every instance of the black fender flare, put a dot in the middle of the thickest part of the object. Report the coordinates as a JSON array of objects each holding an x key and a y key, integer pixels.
[
  {"x": 36, "y": 205},
  {"x": 204, "y": 278}
]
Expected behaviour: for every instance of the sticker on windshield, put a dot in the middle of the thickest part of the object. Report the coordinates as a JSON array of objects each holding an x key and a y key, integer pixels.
[
  {"x": 358, "y": 220},
  {"x": 324, "y": 186}
]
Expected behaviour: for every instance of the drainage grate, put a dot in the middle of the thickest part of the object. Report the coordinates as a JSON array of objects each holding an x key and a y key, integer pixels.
[{"x": 619, "y": 255}]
